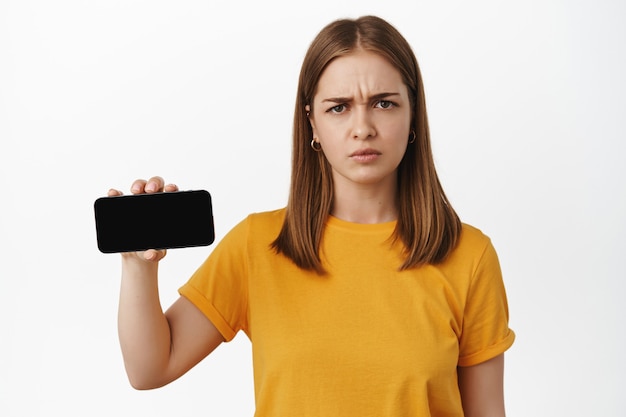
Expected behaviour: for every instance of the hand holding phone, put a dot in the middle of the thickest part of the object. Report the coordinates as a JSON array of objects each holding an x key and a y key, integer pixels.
[{"x": 153, "y": 220}]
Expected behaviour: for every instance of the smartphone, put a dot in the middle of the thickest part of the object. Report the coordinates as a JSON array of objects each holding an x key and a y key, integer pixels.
[{"x": 163, "y": 220}]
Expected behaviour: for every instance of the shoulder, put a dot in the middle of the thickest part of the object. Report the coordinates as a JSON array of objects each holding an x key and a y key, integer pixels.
[
  {"x": 266, "y": 221},
  {"x": 472, "y": 246},
  {"x": 472, "y": 237},
  {"x": 256, "y": 230},
  {"x": 268, "y": 217},
  {"x": 259, "y": 226}
]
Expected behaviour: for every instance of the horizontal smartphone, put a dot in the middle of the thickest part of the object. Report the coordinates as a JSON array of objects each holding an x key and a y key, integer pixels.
[{"x": 164, "y": 220}]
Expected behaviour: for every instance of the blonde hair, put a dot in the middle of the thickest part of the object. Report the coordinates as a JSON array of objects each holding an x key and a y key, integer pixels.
[{"x": 427, "y": 225}]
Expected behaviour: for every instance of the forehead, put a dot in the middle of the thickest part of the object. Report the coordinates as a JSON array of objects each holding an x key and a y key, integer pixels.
[{"x": 362, "y": 70}]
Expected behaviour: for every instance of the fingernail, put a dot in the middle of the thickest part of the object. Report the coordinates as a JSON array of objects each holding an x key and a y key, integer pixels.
[{"x": 151, "y": 187}]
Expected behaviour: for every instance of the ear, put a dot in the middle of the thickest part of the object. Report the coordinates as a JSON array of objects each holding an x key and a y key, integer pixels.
[{"x": 307, "y": 108}]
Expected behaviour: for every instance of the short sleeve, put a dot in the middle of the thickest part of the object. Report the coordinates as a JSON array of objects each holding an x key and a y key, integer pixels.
[
  {"x": 485, "y": 333},
  {"x": 219, "y": 286}
]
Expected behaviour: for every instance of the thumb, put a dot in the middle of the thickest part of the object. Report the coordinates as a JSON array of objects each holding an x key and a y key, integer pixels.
[{"x": 154, "y": 255}]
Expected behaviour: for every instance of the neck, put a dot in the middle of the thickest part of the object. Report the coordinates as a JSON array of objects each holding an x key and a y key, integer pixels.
[{"x": 364, "y": 203}]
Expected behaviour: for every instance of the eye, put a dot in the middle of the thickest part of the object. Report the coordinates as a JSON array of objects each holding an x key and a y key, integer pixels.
[
  {"x": 385, "y": 104},
  {"x": 340, "y": 108}
]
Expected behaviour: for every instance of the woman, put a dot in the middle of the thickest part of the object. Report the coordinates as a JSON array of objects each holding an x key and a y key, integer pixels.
[{"x": 365, "y": 296}]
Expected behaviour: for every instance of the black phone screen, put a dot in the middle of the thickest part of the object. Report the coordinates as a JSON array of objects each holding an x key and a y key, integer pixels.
[{"x": 154, "y": 221}]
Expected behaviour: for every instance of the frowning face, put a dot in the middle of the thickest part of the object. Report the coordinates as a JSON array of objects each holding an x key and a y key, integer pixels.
[{"x": 361, "y": 116}]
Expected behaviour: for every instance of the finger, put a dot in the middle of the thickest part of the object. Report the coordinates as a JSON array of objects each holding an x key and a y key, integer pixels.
[
  {"x": 171, "y": 187},
  {"x": 138, "y": 186},
  {"x": 154, "y": 255},
  {"x": 154, "y": 185},
  {"x": 113, "y": 193}
]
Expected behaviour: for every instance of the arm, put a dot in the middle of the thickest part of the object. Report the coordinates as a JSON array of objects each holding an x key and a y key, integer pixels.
[
  {"x": 481, "y": 388},
  {"x": 157, "y": 347}
]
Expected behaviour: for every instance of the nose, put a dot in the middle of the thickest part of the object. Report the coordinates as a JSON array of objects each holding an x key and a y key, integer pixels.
[{"x": 362, "y": 124}]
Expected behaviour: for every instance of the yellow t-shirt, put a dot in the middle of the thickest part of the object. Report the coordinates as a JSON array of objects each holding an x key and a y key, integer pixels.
[{"x": 364, "y": 340}]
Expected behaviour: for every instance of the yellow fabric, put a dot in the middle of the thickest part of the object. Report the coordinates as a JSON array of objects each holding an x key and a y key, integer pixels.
[{"x": 365, "y": 340}]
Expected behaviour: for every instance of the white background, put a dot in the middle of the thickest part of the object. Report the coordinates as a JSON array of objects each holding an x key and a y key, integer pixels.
[{"x": 526, "y": 103}]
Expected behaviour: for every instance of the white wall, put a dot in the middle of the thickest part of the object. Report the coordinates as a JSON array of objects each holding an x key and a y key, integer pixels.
[{"x": 526, "y": 102}]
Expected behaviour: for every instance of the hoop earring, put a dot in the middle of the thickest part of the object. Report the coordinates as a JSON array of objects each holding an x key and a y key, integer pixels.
[
  {"x": 412, "y": 136},
  {"x": 316, "y": 148}
]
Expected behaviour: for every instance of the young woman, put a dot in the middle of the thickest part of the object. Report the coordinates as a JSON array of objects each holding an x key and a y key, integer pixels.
[{"x": 365, "y": 296}]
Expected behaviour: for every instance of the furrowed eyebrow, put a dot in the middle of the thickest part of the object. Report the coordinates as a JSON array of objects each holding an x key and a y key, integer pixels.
[
  {"x": 378, "y": 96},
  {"x": 383, "y": 96},
  {"x": 335, "y": 100}
]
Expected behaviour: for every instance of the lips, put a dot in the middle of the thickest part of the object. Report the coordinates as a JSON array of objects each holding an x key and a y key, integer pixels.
[
  {"x": 365, "y": 152},
  {"x": 365, "y": 155}
]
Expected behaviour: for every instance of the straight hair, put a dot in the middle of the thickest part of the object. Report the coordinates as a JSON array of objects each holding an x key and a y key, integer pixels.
[{"x": 427, "y": 225}]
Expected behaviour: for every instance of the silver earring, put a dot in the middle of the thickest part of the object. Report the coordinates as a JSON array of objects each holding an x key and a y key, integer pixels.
[{"x": 412, "y": 136}]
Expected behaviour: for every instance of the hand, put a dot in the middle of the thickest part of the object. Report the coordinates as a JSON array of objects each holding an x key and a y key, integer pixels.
[{"x": 140, "y": 186}]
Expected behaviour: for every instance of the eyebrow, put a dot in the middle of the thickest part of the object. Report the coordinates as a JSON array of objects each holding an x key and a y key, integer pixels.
[{"x": 348, "y": 99}]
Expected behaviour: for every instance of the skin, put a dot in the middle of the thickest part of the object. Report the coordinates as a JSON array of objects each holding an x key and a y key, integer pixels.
[
  {"x": 482, "y": 388},
  {"x": 157, "y": 347},
  {"x": 361, "y": 117}
]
